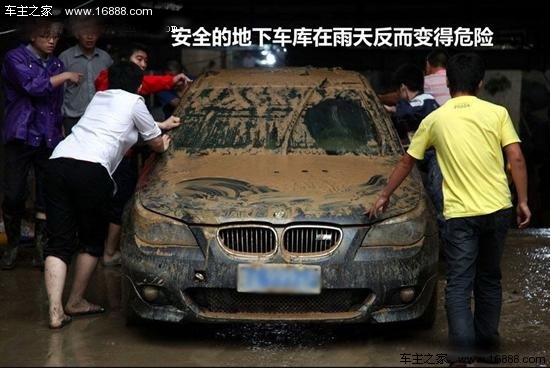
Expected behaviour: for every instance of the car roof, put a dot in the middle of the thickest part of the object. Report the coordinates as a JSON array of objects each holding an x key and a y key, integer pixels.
[{"x": 285, "y": 76}]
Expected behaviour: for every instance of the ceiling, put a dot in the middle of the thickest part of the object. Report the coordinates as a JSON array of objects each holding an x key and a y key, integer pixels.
[{"x": 520, "y": 35}]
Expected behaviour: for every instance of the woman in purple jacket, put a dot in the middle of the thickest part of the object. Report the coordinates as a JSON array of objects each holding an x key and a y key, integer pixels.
[{"x": 33, "y": 81}]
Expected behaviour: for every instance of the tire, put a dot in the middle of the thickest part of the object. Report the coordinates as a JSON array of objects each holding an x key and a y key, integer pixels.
[
  {"x": 130, "y": 316},
  {"x": 427, "y": 319}
]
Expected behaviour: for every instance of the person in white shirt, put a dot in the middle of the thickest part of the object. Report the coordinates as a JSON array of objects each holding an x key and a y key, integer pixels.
[
  {"x": 78, "y": 185},
  {"x": 435, "y": 78}
]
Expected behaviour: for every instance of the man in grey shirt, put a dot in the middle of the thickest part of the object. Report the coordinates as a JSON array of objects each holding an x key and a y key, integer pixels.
[{"x": 87, "y": 59}]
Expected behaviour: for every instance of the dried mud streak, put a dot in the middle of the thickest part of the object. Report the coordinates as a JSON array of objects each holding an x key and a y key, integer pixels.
[
  {"x": 253, "y": 104},
  {"x": 216, "y": 188},
  {"x": 250, "y": 118}
]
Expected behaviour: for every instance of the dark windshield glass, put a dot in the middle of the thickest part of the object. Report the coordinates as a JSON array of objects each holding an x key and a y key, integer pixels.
[
  {"x": 282, "y": 119},
  {"x": 336, "y": 126}
]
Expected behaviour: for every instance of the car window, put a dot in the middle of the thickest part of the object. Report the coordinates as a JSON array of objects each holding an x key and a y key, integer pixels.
[
  {"x": 282, "y": 119},
  {"x": 336, "y": 125},
  {"x": 241, "y": 118}
]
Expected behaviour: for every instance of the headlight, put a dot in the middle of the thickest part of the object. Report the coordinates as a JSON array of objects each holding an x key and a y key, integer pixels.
[
  {"x": 400, "y": 230},
  {"x": 157, "y": 230}
]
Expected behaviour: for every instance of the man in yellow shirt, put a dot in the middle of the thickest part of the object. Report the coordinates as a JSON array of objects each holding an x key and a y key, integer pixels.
[{"x": 470, "y": 136}]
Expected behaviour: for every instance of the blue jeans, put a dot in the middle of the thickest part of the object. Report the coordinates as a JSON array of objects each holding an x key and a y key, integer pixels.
[{"x": 473, "y": 251}]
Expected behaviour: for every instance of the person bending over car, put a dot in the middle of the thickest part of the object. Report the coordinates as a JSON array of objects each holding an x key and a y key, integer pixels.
[{"x": 79, "y": 185}]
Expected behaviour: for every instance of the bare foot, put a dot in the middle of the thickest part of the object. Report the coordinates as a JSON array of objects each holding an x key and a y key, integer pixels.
[
  {"x": 59, "y": 321},
  {"x": 111, "y": 261},
  {"x": 83, "y": 307}
]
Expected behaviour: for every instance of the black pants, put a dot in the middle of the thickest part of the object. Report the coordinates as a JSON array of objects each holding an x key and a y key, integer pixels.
[
  {"x": 77, "y": 196},
  {"x": 19, "y": 159}
]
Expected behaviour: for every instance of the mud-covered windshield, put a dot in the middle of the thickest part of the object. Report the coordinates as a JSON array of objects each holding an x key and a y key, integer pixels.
[{"x": 283, "y": 119}]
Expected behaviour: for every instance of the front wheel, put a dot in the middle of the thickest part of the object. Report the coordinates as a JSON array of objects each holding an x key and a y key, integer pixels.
[
  {"x": 427, "y": 319},
  {"x": 130, "y": 316}
]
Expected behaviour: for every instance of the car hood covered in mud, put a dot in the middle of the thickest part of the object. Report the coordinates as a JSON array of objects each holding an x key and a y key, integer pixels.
[{"x": 221, "y": 188}]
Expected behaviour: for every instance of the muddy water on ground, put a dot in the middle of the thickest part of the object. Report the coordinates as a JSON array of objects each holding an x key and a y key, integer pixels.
[{"x": 105, "y": 340}]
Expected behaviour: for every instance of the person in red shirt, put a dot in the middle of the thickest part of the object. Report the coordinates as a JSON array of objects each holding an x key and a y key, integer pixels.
[
  {"x": 137, "y": 54},
  {"x": 127, "y": 172}
]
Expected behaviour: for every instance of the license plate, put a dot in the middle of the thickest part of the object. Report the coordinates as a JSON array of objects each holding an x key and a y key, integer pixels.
[{"x": 279, "y": 278}]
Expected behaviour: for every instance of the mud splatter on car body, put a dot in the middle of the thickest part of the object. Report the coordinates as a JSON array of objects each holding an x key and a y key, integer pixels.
[{"x": 257, "y": 212}]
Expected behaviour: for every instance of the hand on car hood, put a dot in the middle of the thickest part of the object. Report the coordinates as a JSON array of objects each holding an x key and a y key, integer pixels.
[{"x": 214, "y": 189}]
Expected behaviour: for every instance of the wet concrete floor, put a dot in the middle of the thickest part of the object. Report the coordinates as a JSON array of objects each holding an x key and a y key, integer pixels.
[{"x": 105, "y": 340}]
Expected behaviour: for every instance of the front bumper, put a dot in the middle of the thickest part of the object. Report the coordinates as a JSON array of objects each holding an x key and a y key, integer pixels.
[{"x": 358, "y": 284}]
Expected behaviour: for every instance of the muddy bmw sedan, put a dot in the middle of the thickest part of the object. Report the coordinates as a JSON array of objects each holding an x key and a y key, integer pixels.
[{"x": 257, "y": 212}]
